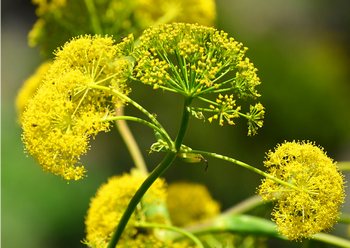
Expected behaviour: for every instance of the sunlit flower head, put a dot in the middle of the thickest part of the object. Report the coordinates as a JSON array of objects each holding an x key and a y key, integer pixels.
[
  {"x": 59, "y": 20},
  {"x": 312, "y": 205},
  {"x": 190, "y": 202},
  {"x": 189, "y": 11},
  {"x": 66, "y": 112},
  {"x": 201, "y": 63},
  {"x": 30, "y": 86},
  {"x": 108, "y": 205},
  {"x": 46, "y": 6}
]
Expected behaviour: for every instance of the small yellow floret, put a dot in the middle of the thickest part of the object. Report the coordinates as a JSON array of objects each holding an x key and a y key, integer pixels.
[{"x": 314, "y": 205}]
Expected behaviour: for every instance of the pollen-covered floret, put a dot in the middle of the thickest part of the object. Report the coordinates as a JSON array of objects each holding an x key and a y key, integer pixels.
[
  {"x": 30, "y": 86},
  {"x": 66, "y": 112},
  {"x": 108, "y": 205},
  {"x": 225, "y": 111},
  {"x": 190, "y": 202},
  {"x": 255, "y": 118},
  {"x": 313, "y": 205},
  {"x": 201, "y": 63}
]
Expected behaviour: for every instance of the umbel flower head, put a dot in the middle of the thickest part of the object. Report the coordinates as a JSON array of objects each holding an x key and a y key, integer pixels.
[
  {"x": 189, "y": 11},
  {"x": 189, "y": 203},
  {"x": 58, "y": 20},
  {"x": 200, "y": 63},
  {"x": 108, "y": 205},
  {"x": 30, "y": 86},
  {"x": 312, "y": 204},
  {"x": 66, "y": 112}
]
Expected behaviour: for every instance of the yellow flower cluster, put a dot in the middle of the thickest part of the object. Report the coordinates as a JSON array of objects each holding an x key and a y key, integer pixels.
[
  {"x": 225, "y": 112},
  {"x": 58, "y": 20},
  {"x": 313, "y": 203},
  {"x": 190, "y": 11},
  {"x": 197, "y": 62},
  {"x": 30, "y": 86},
  {"x": 46, "y": 6},
  {"x": 108, "y": 205},
  {"x": 189, "y": 203},
  {"x": 66, "y": 112},
  {"x": 255, "y": 118}
]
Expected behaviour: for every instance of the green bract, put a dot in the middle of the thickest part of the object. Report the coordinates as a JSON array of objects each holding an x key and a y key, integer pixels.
[{"x": 201, "y": 63}]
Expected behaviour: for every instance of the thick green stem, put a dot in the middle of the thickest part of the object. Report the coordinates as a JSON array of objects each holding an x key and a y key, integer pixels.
[
  {"x": 131, "y": 143},
  {"x": 331, "y": 239},
  {"x": 156, "y": 173},
  {"x": 257, "y": 226}
]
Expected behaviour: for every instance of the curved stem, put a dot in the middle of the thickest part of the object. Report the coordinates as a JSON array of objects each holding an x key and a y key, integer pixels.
[
  {"x": 174, "y": 229},
  {"x": 131, "y": 118},
  {"x": 247, "y": 166},
  {"x": 95, "y": 22},
  {"x": 139, "y": 107},
  {"x": 255, "y": 225},
  {"x": 131, "y": 143},
  {"x": 157, "y": 172},
  {"x": 245, "y": 205}
]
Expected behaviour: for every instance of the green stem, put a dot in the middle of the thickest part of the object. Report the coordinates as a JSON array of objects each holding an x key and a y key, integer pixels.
[
  {"x": 139, "y": 107},
  {"x": 130, "y": 141},
  {"x": 95, "y": 22},
  {"x": 247, "y": 166},
  {"x": 344, "y": 218},
  {"x": 331, "y": 239},
  {"x": 257, "y": 226},
  {"x": 245, "y": 205},
  {"x": 174, "y": 229},
  {"x": 131, "y": 118},
  {"x": 156, "y": 173},
  {"x": 344, "y": 165}
]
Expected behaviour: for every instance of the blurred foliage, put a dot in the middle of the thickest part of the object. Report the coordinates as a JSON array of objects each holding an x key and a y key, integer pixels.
[{"x": 301, "y": 49}]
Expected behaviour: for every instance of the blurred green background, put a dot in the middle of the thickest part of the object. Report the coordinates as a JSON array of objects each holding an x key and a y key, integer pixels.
[{"x": 302, "y": 51}]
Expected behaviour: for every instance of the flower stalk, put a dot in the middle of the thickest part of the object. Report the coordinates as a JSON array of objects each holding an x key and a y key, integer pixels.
[
  {"x": 130, "y": 141},
  {"x": 247, "y": 166},
  {"x": 156, "y": 173}
]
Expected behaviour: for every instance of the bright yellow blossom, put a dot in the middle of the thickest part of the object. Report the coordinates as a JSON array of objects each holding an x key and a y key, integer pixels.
[
  {"x": 108, "y": 205},
  {"x": 189, "y": 11},
  {"x": 190, "y": 202},
  {"x": 201, "y": 63},
  {"x": 45, "y": 6},
  {"x": 59, "y": 20},
  {"x": 30, "y": 86},
  {"x": 313, "y": 205},
  {"x": 66, "y": 112}
]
